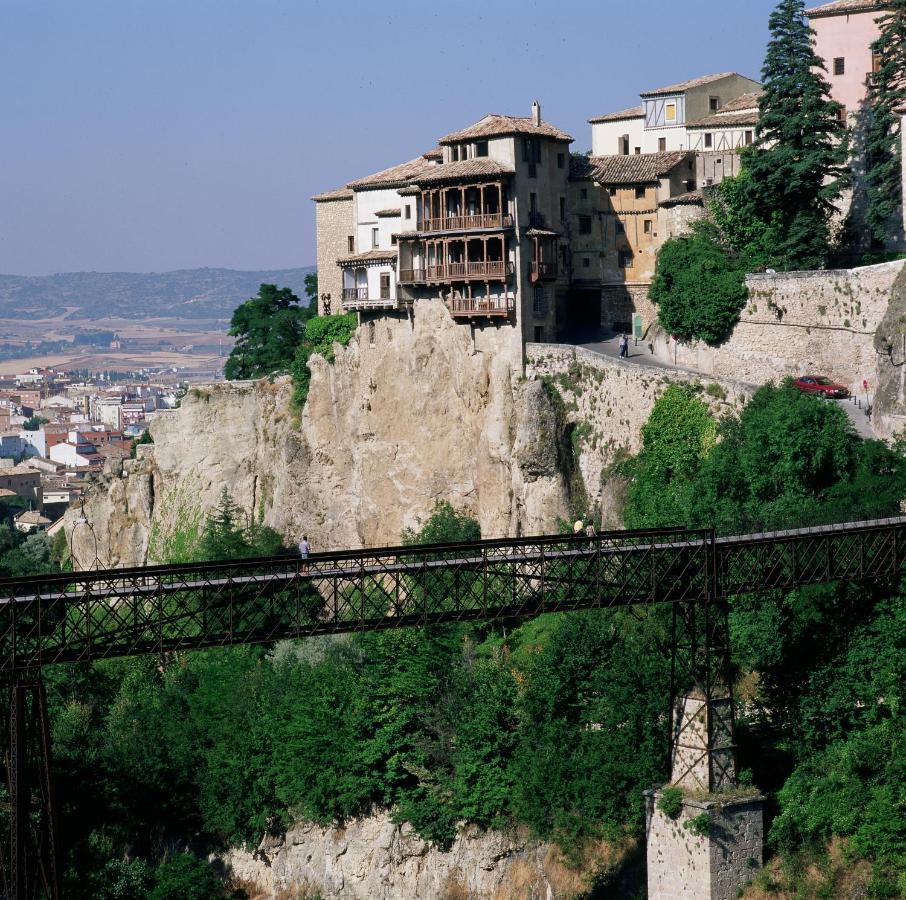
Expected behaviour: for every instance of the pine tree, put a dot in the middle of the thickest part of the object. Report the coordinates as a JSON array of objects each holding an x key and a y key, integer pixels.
[
  {"x": 886, "y": 94},
  {"x": 797, "y": 166}
]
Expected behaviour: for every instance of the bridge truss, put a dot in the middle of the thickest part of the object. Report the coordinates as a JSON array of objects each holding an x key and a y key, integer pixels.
[{"x": 86, "y": 616}]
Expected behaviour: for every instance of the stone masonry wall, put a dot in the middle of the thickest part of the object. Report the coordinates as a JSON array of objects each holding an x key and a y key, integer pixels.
[
  {"x": 609, "y": 401},
  {"x": 796, "y": 322},
  {"x": 334, "y": 223}
]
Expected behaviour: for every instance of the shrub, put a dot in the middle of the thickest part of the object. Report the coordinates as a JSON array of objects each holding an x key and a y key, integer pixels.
[
  {"x": 321, "y": 333},
  {"x": 671, "y": 802}
]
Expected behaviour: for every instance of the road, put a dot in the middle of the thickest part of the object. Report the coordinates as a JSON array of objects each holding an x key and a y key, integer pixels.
[{"x": 639, "y": 355}]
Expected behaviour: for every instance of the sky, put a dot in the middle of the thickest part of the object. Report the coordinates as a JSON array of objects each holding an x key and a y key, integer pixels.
[{"x": 149, "y": 135}]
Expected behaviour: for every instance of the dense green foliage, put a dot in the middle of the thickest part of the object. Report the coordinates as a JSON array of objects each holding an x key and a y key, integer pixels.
[
  {"x": 699, "y": 286},
  {"x": 268, "y": 328},
  {"x": 321, "y": 333},
  {"x": 883, "y": 147},
  {"x": 797, "y": 164},
  {"x": 825, "y": 725},
  {"x": 143, "y": 438},
  {"x": 34, "y": 423}
]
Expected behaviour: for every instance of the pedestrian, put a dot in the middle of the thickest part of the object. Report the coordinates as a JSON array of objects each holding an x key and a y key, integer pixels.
[
  {"x": 590, "y": 530},
  {"x": 624, "y": 346},
  {"x": 578, "y": 527},
  {"x": 304, "y": 551}
]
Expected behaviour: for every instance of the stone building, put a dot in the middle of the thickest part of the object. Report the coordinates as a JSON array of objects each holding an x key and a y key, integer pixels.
[
  {"x": 478, "y": 224},
  {"x": 660, "y": 123},
  {"x": 716, "y": 139},
  {"x": 618, "y": 222}
]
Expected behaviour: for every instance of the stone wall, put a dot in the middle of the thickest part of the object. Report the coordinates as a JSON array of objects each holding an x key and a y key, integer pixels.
[
  {"x": 796, "y": 322},
  {"x": 334, "y": 223},
  {"x": 609, "y": 401}
]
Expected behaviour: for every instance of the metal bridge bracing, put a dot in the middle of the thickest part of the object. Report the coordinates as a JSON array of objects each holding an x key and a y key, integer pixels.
[{"x": 84, "y": 616}]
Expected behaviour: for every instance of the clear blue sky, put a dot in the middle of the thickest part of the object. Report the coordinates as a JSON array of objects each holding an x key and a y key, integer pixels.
[{"x": 147, "y": 135}]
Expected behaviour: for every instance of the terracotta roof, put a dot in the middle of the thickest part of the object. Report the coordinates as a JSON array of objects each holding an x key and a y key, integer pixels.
[
  {"x": 494, "y": 125},
  {"x": 6, "y": 492},
  {"x": 338, "y": 194},
  {"x": 482, "y": 167},
  {"x": 635, "y": 113},
  {"x": 30, "y": 517},
  {"x": 21, "y": 469},
  {"x": 409, "y": 190},
  {"x": 368, "y": 256},
  {"x": 681, "y": 86},
  {"x": 726, "y": 120},
  {"x": 843, "y": 8},
  {"x": 642, "y": 168},
  {"x": 691, "y": 198},
  {"x": 743, "y": 101},
  {"x": 436, "y": 154},
  {"x": 395, "y": 176},
  {"x": 388, "y": 213}
]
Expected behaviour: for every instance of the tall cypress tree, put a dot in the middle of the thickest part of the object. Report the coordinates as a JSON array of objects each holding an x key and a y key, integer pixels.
[
  {"x": 886, "y": 93},
  {"x": 798, "y": 162}
]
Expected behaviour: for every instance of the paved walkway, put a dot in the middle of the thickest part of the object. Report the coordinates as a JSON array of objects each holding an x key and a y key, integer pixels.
[{"x": 639, "y": 354}]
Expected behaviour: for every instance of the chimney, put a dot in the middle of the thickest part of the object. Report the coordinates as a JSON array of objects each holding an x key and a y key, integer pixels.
[{"x": 536, "y": 113}]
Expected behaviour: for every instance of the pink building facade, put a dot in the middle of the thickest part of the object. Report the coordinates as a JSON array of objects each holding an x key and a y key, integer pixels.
[{"x": 844, "y": 32}]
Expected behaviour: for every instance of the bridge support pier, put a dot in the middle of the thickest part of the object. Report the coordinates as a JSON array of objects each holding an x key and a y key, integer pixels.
[{"x": 704, "y": 835}]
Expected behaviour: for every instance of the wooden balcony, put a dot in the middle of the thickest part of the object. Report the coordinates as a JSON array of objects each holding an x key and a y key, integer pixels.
[
  {"x": 467, "y": 223},
  {"x": 412, "y": 276},
  {"x": 476, "y": 307},
  {"x": 359, "y": 299},
  {"x": 459, "y": 271},
  {"x": 544, "y": 271}
]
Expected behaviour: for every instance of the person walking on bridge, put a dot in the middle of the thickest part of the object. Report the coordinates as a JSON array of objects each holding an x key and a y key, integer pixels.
[{"x": 304, "y": 551}]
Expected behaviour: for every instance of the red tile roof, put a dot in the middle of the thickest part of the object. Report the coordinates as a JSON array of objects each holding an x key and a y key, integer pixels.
[
  {"x": 726, "y": 120},
  {"x": 368, "y": 256},
  {"x": 743, "y": 101},
  {"x": 642, "y": 168},
  {"x": 691, "y": 198},
  {"x": 844, "y": 8},
  {"x": 494, "y": 125},
  {"x": 327, "y": 196},
  {"x": 636, "y": 112},
  {"x": 395, "y": 176},
  {"x": 482, "y": 167},
  {"x": 682, "y": 86}
]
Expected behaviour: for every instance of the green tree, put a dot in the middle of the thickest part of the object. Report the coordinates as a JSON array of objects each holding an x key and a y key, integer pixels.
[
  {"x": 34, "y": 423},
  {"x": 699, "y": 286},
  {"x": 187, "y": 878},
  {"x": 797, "y": 165},
  {"x": 268, "y": 328},
  {"x": 144, "y": 438},
  {"x": 311, "y": 289},
  {"x": 883, "y": 147},
  {"x": 321, "y": 333}
]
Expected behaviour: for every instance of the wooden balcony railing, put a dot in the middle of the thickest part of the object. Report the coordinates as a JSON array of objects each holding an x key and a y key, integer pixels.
[
  {"x": 542, "y": 270},
  {"x": 412, "y": 276},
  {"x": 467, "y": 223},
  {"x": 359, "y": 298},
  {"x": 500, "y": 305},
  {"x": 457, "y": 270},
  {"x": 355, "y": 294}
]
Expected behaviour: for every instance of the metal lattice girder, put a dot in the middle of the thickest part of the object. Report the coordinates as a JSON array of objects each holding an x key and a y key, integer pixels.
[{"x": 98, "y": 614}]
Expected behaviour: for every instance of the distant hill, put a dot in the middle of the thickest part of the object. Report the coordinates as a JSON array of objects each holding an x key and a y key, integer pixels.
[{"x": 186, "y": 293}]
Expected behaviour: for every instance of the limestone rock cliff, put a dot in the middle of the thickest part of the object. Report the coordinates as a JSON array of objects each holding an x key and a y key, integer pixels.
[
  {"x": 889, "y": 415},
  {"x": 411, "y": 412}
]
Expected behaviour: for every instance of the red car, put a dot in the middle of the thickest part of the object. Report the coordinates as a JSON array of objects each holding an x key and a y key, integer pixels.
[{"x": 819, "y": 384}]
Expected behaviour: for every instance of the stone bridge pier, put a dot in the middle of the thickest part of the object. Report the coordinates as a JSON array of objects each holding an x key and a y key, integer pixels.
[{"x": 704, "y": 833}]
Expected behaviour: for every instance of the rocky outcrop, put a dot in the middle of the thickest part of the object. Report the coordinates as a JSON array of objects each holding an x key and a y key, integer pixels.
[
  {"x": 889, "y": 414},
  {"x": 375, "y": 859},
  {"x": 411, "y": 412}
]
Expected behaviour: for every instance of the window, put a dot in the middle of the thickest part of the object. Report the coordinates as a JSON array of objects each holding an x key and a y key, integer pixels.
[
  {"x": 454, "y": 153},
  {"x": 584, "y": 224},
  {"x": 531, "y": 150},
  {"x": 481, "y": 148},
  {"x": 586, "y": 262},
  {"x": 375, "y": 238},
  {"x": 533, "y": 170},
  {"x": 713, "y": 104},
  {"x": 561, "y": 160},
  {"x": 350, "y": 244},
  {"x": 623, "y": 145},
  {"x": 670, "y": 112},
  {"x": 621, "y": 228},
  {"x": 385, "y": 287},
  {"x": 583, "y": 194},
  {"x": 748, "y": 137},
  {"x": 648, "y": 226},
  {"x": 612, "y": 191},
  {"x": 709, "y": 139},
  {"x": 875, "y": 61},
  {"x": 533, "y": 203},
  {"x": 408, "y": 212},
  {"x": 839, "y": 65},
  {"x": 625, "y": 259},
  {"x": 841, "y": 115},
  {"x": 638, "y": 151},
  {"x": 640, "y": 193},
  {"x": 539, "y": 334},
  {"x": 563, "y": 209},
  {"x": 539, "y": 303},
  {"x": 662, "y": 145},
  {"x": 392, "y": 240}
]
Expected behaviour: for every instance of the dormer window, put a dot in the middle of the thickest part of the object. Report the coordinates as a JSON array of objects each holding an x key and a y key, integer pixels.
[
  {"x": 481, "y": 148},
  {"x": 454, "y": 153}
]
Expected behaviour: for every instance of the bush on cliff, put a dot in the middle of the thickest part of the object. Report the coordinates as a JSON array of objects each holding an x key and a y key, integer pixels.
[
  {"x": 321, "y": 333},
  {"x": 699, "y": 286}
]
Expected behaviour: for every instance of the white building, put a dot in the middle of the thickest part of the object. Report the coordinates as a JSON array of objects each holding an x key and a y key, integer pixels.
[
  {"x": 77, "y": 451},
  {"x": 660, "y": 123},
  {"x": 34, "y": 442}
]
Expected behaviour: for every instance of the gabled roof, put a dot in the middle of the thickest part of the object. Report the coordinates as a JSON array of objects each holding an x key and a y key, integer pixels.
[
  {"x": 31, "y": 517},
  {"x": 743, "y": 101},
  {"x": 395, "y": 176},
  {"x": 845, "y": 8},
  {"x": 636, "y": 112},
  {"x": 494, "y": 125},
  {"x": 643, "y": 168},
  {"x": 682, "y": 86},
  {"x": 482, "y": 167},
  {"x": 327, "y": 196},
  {"x": 727, "y": 120},
  {"x": 690, "y": 198}
]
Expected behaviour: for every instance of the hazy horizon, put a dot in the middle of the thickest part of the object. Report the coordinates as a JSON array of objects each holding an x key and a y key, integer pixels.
[{"x": 158, "y": 137}]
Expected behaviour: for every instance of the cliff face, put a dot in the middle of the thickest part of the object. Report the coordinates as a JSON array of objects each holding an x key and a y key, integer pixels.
[
  {"x": 411, "y": 412},
  {"x": 889, "y": 415}
]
